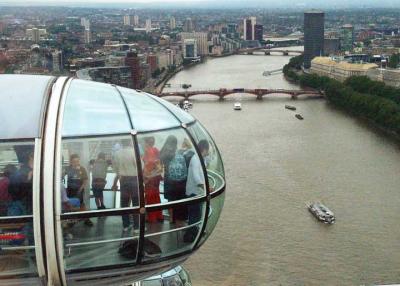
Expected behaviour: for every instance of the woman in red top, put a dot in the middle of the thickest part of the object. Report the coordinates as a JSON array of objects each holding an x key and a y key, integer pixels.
[{"x": 152, "y": 176}]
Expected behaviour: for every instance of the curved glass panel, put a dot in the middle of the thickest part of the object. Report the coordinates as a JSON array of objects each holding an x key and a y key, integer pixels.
[
  {"x": 99, "y": 173},
  {"x": 94, "y": 108},
  {"x": 103, "y": 244},
  {"x": 146, "y": 113},
  {"x": 216, "y": 206},
  {"x": 17, "y": 255},
  {"x": 177, "y": 276},
  {"x": 172, "y": 171},
  {"x": 22, "y": 99},
  {"x": 183, "y": 116},
  {"x": 16, "y": 174},
  {"x": 212, "y": 158},
  {"x": 100, "y": 254},
  {"x": 169, "y": 238},
  {"x": 98, "y": 170},
  {"x": 171, "y": 167}
]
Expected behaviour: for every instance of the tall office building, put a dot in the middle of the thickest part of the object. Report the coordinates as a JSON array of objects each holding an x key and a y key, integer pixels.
[
  {"x": 201, "y": 41},
  {"x": 148, "y": 25},
  {"x": 132, "y": 60},
  {"x": 258, "y": 32},
  {"x": 171, "y": 57},
  {"x": 172, "y": 23},
  {"x": 189, "y": 49},
  {"x": 127, "y": 20},
  {"x": 85, "y": 23},
  {"x": 136, "y": 20},
  {"x": 188, "y": 25},
  {"x": 313, "y": 36},
  {"x": 347, "y": 38},
  {"x": 232, "y": 28},
  {"x": 87, "y": 36},
  {"x": 249, "y": 28},
  {"x": 57, "y": 61},
  {"x": 152, "y": 62},
  {"x": 35, "y": 35},
  {"x": 232, "y": 31}
]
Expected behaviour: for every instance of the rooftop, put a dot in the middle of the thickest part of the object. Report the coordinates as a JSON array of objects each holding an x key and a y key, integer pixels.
[{"x": 342, "y": 64}]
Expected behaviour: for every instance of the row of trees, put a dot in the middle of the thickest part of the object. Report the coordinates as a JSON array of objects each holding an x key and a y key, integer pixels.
[
  {"x": 364, "y": 84},
  {"x": 359, "y": 95},
  {"x": 394, "y": 61}
]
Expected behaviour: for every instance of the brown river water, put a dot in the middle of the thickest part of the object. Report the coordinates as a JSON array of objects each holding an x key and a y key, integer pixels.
[{"x": 275, "y": 164}]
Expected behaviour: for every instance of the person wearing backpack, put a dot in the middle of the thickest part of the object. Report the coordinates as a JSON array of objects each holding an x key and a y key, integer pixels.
[{"x": 175, "y": 175}]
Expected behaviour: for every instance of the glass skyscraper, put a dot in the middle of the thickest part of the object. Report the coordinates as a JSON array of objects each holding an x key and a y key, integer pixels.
[{"x": 313, "y": 36}]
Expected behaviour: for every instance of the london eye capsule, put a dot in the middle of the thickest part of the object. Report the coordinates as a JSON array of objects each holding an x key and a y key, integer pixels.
[{"x": 100, "y": 184}]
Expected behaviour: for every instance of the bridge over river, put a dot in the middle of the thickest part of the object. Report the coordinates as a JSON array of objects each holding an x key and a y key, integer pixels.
[
  {"x": 268, "y": 52},
  {"x": 258, "y": 92}
]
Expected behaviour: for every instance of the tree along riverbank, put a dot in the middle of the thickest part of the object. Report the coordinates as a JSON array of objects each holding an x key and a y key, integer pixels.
[{"x": 358, "y": 95}]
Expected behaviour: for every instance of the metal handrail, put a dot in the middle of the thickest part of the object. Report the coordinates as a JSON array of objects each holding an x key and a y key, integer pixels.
[{"x": 131, "y": 237}]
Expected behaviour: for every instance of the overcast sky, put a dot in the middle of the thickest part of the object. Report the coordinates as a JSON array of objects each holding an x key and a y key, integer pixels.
[{"x": 220, "y": 3}]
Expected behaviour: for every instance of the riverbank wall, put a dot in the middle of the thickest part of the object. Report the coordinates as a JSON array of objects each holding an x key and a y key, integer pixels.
[{"x": 161, "y": 84}]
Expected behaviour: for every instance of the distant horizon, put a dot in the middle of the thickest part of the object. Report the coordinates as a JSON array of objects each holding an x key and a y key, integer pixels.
[{"x": 232, "y": 4}]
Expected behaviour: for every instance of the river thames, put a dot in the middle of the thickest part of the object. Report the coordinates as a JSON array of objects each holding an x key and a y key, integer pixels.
[{"x": 275, "y": 164}]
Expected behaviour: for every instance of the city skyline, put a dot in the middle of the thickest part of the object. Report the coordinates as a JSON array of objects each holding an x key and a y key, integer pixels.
[
  {"x": 286, "y": 4},
  {"x": 108, "y": 176}
]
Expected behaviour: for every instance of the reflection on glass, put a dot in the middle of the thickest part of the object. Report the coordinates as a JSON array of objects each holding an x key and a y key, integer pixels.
[
  {"x": 126, "y": 173},
  {"x": 171, "y": 171},
  {"x": 192, "y": 215},
  {"x": 216, "y": 206},
  {"x": 77, "y": 180},
  {"x": 99, "y": 173},
  {"x": 212, "y": 158},
  {"x": 183, "y": 116},
  {"x": 152, "y": 175},
  {"x": 177, "y": 276},
  {"x": 16, "y": 175},
  {"x": 94, "y": 108},
  {"x": 104, "y": 228},
  {"x": 181, "y": 234},
  {"x": 103, "y": 254},
  {"x": 142, "y": 107},
  {"x": 164, "y": 245},
  {"x": 17, "y": 262},
  {"x": 21, "y": 105}
]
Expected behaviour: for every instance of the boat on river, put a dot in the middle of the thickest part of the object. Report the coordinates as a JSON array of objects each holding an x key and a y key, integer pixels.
[
  {"x": 185, "y": 105},
  {"x": 290, "y": 107},
  {"x": 321, "y": 212},
  {"x": 237, "y": 106},
  {"x": 299, "y": 117}
]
